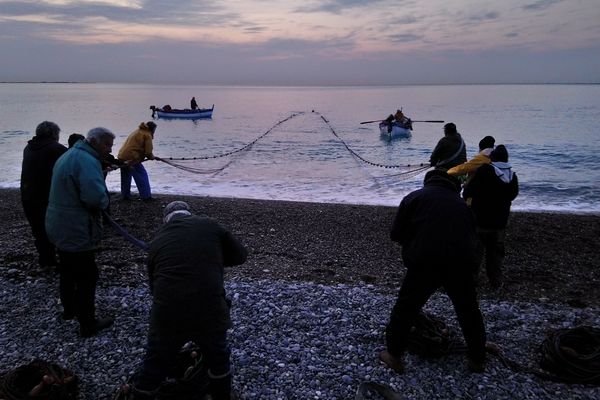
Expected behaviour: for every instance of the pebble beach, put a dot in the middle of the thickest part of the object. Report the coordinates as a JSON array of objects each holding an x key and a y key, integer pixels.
[{"x": 310, "y": 305}]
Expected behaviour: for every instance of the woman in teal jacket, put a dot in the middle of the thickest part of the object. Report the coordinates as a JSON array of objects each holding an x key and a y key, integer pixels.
[{"x": 73, "y": 221}]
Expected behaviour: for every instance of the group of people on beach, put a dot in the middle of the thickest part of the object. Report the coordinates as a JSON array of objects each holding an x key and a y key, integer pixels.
[{"x": 443, "y": 238}]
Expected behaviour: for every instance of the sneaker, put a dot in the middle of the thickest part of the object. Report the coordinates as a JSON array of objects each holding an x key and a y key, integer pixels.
[
  {"x": 98, "y": 325},
  {"x": 393, "y": 362}
]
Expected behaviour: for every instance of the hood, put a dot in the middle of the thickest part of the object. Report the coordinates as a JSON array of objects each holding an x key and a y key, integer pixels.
[
  {"x": 503, "y": 171},
  {"x": 37, "y": 142},
  {"x": 486, "y": 152}
]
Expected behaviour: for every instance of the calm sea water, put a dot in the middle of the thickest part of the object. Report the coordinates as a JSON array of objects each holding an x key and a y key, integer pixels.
[{"x": 551, "y": 131}]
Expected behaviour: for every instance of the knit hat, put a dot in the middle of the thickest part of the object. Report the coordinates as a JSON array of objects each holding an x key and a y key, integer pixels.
[
  {"x": 175, "y": 207},
  {"x": 487, "y": 143},
  {"x": 499, "y": 154}
]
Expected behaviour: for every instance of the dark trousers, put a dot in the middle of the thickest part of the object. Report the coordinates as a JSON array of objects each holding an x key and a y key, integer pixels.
[
  {"x": 36, "y": 216},
  {"x": 418, "y": 286},
  {"x": 78, "y": 277},
  {"x": 491, "y": 243},
  {"x": 160, "y": 360}
]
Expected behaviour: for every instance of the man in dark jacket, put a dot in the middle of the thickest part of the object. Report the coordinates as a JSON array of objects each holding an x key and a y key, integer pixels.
[
  {"x": 185, "y": 268},
  {"x": 450, "y": 150},
  {"x": 492, "y": 189},
  {"x": 436, "y": 230},
  {"x": 39, "y": 157}
]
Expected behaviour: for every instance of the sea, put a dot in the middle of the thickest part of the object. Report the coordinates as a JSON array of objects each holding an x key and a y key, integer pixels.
[{"x": 308, "y": 144}]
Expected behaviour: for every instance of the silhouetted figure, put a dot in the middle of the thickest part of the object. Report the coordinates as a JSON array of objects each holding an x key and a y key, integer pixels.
[
  {"x": 492, "y": 190},
  {"x": 39, "y": 157},
  {"x": 437, "y": 233},
  {"x": 193, "y": 104},
  {"x": 450, "y": 150},
  {"x": 74, "y": 138},
  {"x": 185, "y": 268}
]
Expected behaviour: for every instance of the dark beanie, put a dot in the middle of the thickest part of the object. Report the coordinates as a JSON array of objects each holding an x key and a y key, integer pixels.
[
  {"x": 499, "y": 154},
  {"x": 487, "y": 143}
]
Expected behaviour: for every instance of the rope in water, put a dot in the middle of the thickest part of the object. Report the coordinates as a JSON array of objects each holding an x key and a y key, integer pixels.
[
  {"x": 229, "y": 153},
  {"x": 420, "y": 167},
  {"x": 412, "y": 170}
]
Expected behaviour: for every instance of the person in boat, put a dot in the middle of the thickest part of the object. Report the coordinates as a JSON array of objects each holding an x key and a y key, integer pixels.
[
  {"x": 78, "y": 195},
  {"x": 389, "y": 121},
  {"x": 137, "y": 149},
  {"x": 436, "y": 230},
  {"x": 402, "y": 120},
  {"x": 486, "y": 145},
  {"x": 185, "y": 268},
  {"x": 450, "y": 150},
  {"x": 193, "y": 104},
  {"x": 492, "y": 189},
  {"x": 39, "y": 157}
]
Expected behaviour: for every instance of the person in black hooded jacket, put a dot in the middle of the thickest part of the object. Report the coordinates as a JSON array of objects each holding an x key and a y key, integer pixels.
[
  {"x": 39, "y": 157},
  {"x": 436, "y": 230},
  {"x": 492, "y": 189}
]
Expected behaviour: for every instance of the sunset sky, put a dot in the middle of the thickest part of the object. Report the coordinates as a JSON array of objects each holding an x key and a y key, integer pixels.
[{"x": 310, "y": 42}]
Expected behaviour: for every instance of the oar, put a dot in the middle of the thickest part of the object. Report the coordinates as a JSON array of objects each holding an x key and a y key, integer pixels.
[{"x": 381, "y": 120}]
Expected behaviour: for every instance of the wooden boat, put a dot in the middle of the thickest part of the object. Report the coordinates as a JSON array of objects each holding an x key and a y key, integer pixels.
[
  {"x": 168, "y": 112},
  {"x": 395, "y": 130}
]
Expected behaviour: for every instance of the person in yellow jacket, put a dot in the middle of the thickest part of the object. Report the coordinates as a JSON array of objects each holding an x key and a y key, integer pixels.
[
  {"x": 486, "y": 145},
  {"x": 136, "y": 149}
]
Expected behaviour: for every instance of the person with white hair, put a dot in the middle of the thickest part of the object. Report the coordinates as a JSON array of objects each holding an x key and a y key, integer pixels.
[
  {"x": 185, "y": 269},
  {"x": 78, "y": 195}
]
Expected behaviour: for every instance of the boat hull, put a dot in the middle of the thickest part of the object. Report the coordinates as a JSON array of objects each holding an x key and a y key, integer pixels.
[
  {"x": 184, "y": 114},
  {"x": 396, "y": 131}
]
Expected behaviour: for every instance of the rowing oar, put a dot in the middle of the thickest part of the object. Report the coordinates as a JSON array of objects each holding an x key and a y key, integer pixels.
[{"x": 381, "y": 120}]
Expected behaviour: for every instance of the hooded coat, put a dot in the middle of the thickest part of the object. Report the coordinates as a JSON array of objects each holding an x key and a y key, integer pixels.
[
  {"x": 185, "y": 268},
  {"x": 137, "y": 146},
  {"x": 78, "y": 195},
  {"x": 483, "y": 157},
  {"x": 492, "y": 189},
  {"x": 435, "y": 226}
]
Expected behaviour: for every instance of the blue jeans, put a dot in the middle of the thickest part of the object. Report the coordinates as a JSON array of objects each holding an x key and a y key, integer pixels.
[
  {"x": 140, "y": 176},
  {"x": 161, "y": 356}
]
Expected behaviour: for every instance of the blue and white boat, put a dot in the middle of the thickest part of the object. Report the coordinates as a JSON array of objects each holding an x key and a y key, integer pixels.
[
  {"x": 168, "y": 112},
  {"x": 395, "y": 130}
]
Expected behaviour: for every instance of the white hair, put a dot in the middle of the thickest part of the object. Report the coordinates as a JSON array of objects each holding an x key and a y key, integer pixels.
[{"x": 99, "y": 133}]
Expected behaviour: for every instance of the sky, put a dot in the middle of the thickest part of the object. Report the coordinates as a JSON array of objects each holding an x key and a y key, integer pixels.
[{"x": 309, "y": 42}]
